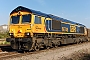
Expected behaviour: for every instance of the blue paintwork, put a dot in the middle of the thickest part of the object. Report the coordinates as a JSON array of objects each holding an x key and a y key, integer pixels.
[
  {"x": 66, "y": 25},
  {"x": 49, "y": 26},
  {"x": 64, "y": 20},
  {"x": 77, "y": 29},
  {"x": 21, "y": 8},
  {"x": 49, "y": 22}
]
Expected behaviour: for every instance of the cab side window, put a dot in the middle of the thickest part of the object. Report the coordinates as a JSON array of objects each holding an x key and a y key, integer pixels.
[{"x": 37, "y": 20}]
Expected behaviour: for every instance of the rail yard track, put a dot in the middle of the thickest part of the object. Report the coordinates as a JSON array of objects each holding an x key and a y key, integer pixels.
[{"x": 12, "y": 53}]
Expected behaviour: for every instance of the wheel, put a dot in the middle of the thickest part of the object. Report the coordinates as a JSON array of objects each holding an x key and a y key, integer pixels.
[
  {"x": 56, "y": 45},
  {"x": 36, "y": 47},
  {"x": 59, "y": 43},
  {"x": 48, "y": 47}
]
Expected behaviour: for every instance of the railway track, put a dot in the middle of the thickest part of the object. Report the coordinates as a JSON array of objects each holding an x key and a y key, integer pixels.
[
  {"x": 8, "y": 55},
  {"x": 13, "y": 54}
]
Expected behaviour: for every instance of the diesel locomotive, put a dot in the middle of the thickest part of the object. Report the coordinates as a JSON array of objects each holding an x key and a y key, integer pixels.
[{"x": 31, "y": 30}]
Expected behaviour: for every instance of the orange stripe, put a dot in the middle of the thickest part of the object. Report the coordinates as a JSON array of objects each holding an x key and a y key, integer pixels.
[{"x": 45, "y": 29}]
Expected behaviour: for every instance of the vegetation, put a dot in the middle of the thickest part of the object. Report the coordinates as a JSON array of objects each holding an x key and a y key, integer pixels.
[
  {"x": 4, "y": 35},
  {"x": 4, "y": 43}
]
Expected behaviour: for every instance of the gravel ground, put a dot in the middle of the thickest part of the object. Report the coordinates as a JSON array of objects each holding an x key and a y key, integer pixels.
[{"x": 75, "y": 52}]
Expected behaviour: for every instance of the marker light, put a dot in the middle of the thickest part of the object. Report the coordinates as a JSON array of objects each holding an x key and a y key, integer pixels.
[{"x": 19, "y": 31}]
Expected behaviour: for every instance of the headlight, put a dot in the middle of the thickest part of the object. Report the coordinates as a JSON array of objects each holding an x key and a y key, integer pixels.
[
  {"x": 27, "y": 34},
  {"x": 11, "y": 34}
]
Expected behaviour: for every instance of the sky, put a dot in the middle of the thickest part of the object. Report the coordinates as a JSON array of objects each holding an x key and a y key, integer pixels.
[{"x": 74, "y": 10}]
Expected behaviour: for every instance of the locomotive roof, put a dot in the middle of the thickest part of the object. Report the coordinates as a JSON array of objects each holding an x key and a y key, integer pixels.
[
  {"x": 63, "y": 20},
  {"x": 21, "y": 8}
]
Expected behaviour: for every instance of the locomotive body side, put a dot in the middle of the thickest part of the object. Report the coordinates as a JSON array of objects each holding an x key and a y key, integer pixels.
[{"x": 32, "y": 30}]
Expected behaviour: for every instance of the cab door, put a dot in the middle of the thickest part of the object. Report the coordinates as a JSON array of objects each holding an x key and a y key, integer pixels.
[{"x": 38, "y": 26}]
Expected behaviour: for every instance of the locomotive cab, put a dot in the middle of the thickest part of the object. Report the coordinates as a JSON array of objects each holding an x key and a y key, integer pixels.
[
  {"x": 23, "y": 25},
  {"x": 19, "y": 29},
  {"x": 20, "y": 25}
]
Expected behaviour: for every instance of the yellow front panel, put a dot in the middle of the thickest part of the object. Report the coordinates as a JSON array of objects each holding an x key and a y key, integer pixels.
[{"x": 19, "y": 30}]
